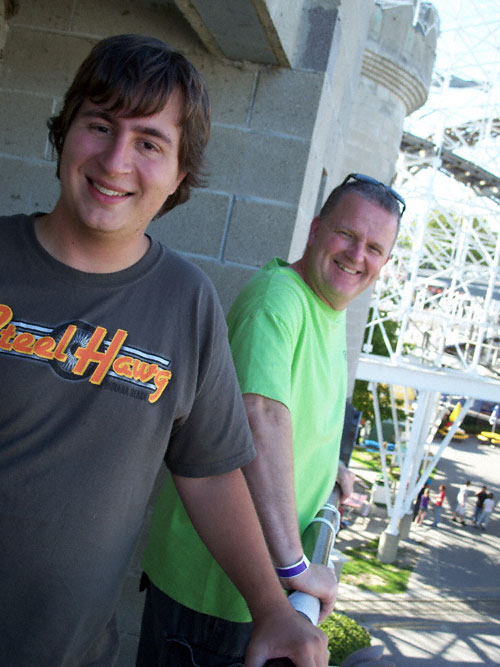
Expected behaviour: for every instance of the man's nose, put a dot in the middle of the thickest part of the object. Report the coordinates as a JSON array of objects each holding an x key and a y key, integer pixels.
[
  {"x": 356, "y": 250},
  {"x": 116, "y": 158}
]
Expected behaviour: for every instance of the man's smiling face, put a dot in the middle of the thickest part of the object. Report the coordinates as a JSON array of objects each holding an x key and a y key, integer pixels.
[
  {"x": 347, "y": 249},
  {"x": 116, "y": 172}
]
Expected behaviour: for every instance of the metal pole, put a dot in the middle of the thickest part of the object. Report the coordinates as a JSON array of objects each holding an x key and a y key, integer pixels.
[{"x": 318, "y": 540}]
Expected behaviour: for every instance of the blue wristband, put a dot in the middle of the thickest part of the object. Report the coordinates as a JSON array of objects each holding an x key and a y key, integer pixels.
[{"x": 293, "y": 570}]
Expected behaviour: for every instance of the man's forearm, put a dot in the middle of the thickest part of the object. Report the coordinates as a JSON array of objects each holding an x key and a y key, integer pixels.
[
  {"x": 270, "y": 477},
  {"x": 345, "y": 479}
]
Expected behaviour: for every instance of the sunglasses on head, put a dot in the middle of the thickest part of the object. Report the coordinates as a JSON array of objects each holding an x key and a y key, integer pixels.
[{"x": 362, "y": 178}]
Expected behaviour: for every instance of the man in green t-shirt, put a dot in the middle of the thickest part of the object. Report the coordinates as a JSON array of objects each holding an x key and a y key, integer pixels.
[{"x": 287, "y": 335}]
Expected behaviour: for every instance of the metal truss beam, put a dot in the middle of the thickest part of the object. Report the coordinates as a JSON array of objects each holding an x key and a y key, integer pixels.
[{"x": 441, "y": 380}]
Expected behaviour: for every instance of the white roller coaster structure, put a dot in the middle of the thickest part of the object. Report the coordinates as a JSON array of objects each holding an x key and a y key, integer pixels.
[{"x": 442, "y": 285}]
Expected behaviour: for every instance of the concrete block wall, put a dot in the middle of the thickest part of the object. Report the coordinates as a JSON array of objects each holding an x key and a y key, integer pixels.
[{"x": 329, "y": 143}]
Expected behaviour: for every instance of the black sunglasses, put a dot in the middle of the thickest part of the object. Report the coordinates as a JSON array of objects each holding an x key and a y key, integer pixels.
[{"x": 368, "y": 179}]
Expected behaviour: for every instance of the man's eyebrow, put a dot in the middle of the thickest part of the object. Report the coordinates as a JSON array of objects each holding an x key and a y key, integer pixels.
[{"x": 141, "y": 129}]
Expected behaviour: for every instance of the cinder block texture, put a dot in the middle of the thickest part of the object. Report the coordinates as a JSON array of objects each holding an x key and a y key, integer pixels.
[
  {"x": 49, "y": 14},
  {"x": 316, "y": 35},
  {"x": 258, "y": 231},
  {"x": 195, "y": 227},
  {"x": 233, "y": 27},
  {"x": 230, "y": 89},
  {"x": 256, "y": 164},
  {"x": 287, "y": 102},
  {"x": 113, "y": 17},
  {"x": 27, "y": 187},
  {"x": 40, "y": 63},
  {"x": 287, "y": 19},
  {"x": 332, "y": 118},
  {"x": 3, "y": 28},
  {"x": 31, "y": 113},
  {"x": 227, "y": 278}
]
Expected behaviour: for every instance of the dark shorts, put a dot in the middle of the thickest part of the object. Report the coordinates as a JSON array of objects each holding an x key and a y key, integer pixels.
[{"x": 175, "y": 636}]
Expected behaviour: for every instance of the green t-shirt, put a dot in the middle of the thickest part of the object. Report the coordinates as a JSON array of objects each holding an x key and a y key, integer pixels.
[{"x": 289, "y": 346}]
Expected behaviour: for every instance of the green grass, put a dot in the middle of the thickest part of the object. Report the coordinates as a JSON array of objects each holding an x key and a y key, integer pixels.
[
  {"x": 371, "y": 460},
  {"x": 365, "y": 571}
]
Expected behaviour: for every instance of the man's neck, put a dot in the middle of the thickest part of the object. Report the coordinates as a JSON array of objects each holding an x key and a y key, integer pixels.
[
  {"x": 97, "y": 253},
  {"x": 298, "y": 268}
]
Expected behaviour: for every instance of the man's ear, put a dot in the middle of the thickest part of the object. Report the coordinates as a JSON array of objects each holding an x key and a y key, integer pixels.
[
  {"x": 313, "y": 230},
  {"x": 180, "y": 176}
]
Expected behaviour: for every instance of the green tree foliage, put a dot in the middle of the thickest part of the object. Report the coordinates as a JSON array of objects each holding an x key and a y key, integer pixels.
[{"x": 362, "y": 397}]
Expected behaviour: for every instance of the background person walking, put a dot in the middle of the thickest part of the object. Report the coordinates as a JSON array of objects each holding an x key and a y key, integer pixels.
[
  {"x": 438, "y": 504},
  {"x": 486, "y": 511},
  {"x": 481, "y": 496},
  {"x": 462, "y": 496},
  {"x": 424, "y": 505}
]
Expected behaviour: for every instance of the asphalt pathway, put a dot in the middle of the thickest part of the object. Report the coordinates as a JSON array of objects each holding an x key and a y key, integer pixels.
[{"x": 450, "y": 614}]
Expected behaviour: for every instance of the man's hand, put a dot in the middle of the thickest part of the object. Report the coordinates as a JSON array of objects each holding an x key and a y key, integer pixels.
[
  {"x": 345, "y": 479},
  {"x": 287, "y": 634},
  {"x": 320, "y": 582}
]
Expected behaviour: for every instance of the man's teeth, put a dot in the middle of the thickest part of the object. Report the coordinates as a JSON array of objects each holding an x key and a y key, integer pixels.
[
  {"x": 110, "y": 193},
  {"x": 344, "y": 268}
]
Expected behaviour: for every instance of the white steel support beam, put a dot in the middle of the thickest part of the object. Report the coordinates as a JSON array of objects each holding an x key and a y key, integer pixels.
[
  {"x": 381, "y": 448},
  {"x": 447, "y": 439},
  {"x": 443, "y": 380},
  {"x": 411, "y": 455}
]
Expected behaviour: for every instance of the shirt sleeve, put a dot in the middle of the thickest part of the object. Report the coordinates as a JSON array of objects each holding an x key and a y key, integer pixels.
[{"x": 262, "y": 346}]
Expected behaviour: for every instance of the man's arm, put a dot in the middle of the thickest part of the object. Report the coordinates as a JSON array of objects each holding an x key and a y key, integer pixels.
[
  {"x": 270, "y": 479},
  {"x": 222, "y": 512},
  {"x": 345, "y": 479}
]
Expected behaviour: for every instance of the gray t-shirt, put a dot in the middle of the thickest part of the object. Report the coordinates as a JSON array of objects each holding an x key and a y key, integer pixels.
[{"x": 102, "y": 377}]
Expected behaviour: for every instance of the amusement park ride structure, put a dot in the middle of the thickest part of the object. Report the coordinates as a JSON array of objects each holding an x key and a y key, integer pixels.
[{"x": 442, "y": 284}]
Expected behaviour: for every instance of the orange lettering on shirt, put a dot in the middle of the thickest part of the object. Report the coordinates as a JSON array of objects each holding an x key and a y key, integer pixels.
[
  {"x": 5, "y": 315},
  {"x": 60, "y": 351},
  {"x": 123, "y": 367},
  {"x": 143, "y": 371},
  {"x": 90, "y": 354},
  {"x": 23, "y": 343},
  {"x": 6, "y": 337},
  {"x": 162, "y": 378},
  {"x": 44, "y": 347}
]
